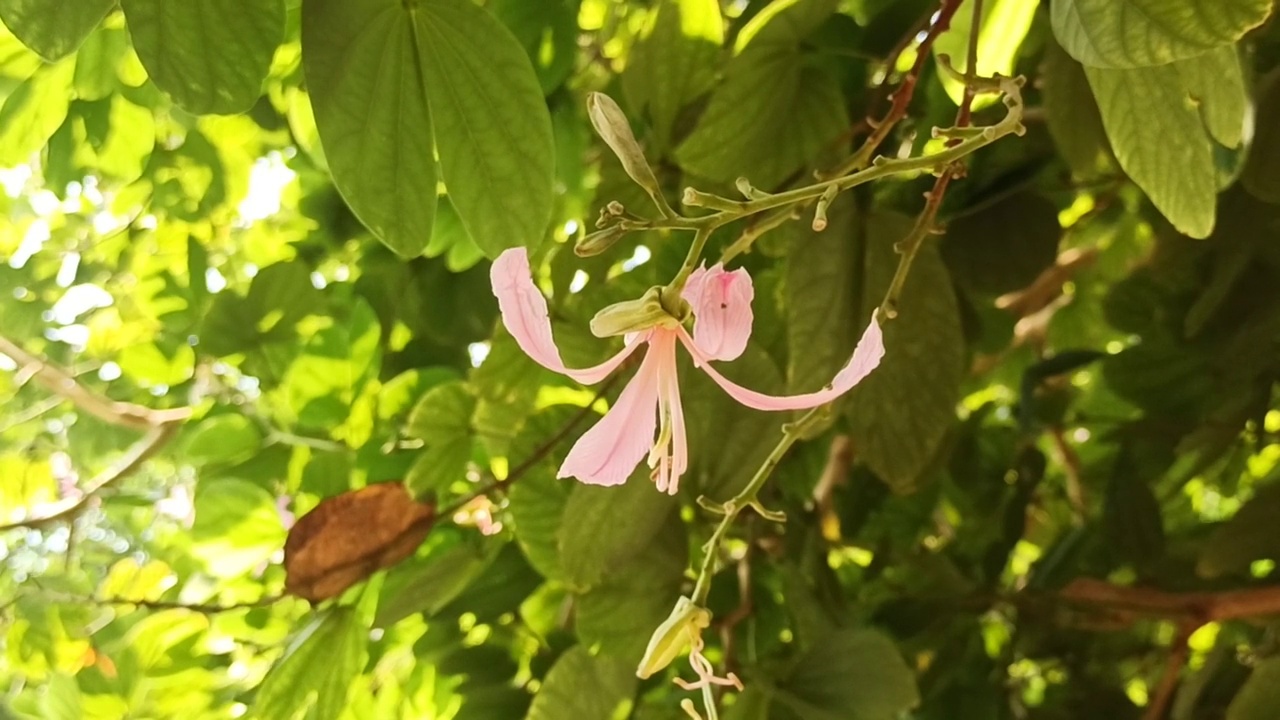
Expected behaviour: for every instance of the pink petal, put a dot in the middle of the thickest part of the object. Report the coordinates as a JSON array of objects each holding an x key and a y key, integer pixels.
[
  {"x": 721, "y": 303},
  {"x": 865, "y": 359},
  {"x": 680, "y": 443},
  {"x": 609, "y": 452},
  {"x": 524, "y": 313}
]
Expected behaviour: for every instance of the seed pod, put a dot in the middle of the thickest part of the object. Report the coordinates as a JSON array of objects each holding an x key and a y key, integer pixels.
[
  {"x": 599, "y": 241},
  {"x": 612, "y": 125},
  {"x": 673, "y": 636}
]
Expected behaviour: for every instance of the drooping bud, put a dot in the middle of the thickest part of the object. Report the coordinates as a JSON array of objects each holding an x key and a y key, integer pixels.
[
  {"x": 677, "y": 633},
  {"x": 599, "y": 241},
  {"x": 629, "y": 316},
  {"x": 612, "y": 125}
]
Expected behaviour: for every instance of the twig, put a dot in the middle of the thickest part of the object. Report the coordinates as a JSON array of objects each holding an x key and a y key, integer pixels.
[
  {"x": 61, "y": 383},
  {"x": 538, "y": 455},
  {"x": 1072, "y": 471},
  {"x": 1177, "y": 660},
  {"x": 901, "y": 98},
  {"x": 69, "y": 508},
  {"x": 1128, "y": 604},
  {"x": 203, "y": 608}
]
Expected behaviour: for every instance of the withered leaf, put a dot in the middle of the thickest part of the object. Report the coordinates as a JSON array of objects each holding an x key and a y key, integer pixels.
[{"x": 348, "y": 537}]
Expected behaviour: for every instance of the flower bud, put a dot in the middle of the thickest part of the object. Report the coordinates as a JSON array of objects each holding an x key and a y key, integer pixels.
[
  {"x": 673, "y": 636},
  {"x": 612, "y": 125},
  {"x": 632, "y": 315},
  {"x": 599, "y": 241}
]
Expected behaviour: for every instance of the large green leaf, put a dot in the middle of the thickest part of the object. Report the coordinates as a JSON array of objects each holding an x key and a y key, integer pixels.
[
  {"x": 673, "y": 61},
  {"x": 1259, "y": 699},
  {"x": 850, "y": 675},
  {"x": 548, "y": 30},
  {"x": 1010, "y": 259},
  {"x": 582, "y": 686},
  {"x": 366, "y": 82},
  {"x": 1143, "y": 33},
  {"x": 1248, "y": 536},
  {"x": 823, "y": 296},
  {"x": 622, "y": 612},
  {"x": 33, "y": 112},
  {"x": 386, "y": 78},
  {"x": 1159, "y": 139},
  {"x": 237, "y": 526},
  {"x": 775, "y": 111},
  {"x": 1262, "y": 170},
  {"x": 316, "y": 671},
  {"x": 53, "y": 28},
  {"x": 603, "y": 527},
  {"x": 210, "y": 57},
  {"x": 492, "y": 128},
  {"x": 1003, "y": 26},
  {"x": 1071, "y": 112},
  {"x": 901, "y": 412}
]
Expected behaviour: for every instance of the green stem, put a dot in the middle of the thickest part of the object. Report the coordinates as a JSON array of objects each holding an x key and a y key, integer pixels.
[
  {"x": 746, "y": 497},
  {"x": 691, "y": 260}
]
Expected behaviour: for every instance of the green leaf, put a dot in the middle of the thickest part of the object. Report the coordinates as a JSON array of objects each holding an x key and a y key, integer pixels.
[
  {"x": 1002, "y": 28},
  {"x": 620, "y": 615},
  {"x": 673, "y": 62},
  {"x": 492, "y": 128},
  {"x": 237, "y": 526},
  {"x": 727, "y": 441},
  {"x": 582, "y": 686},
  {"x": 850, "y": 675},
  {"x": 443, "y": 413},
  {"x": 823, "y": 316},
  {"x": 775, "y": 111},
  {"x": 1262, "y": 170},
  {"x": 221, "y": 439},
  {"x": 1259, "y": 699},
  {"x": 62, "y": 699},
  {"x": 1160, "y": 140},
  {"x": 1215, "y": 83},
  {"x": 538, "y": 500},
  {"x": 441, "y": 465},
  {"x": 1072, "y": 114},
  {"x": 33, "y": 112},
  {"x": 210, "y": 57},
  {"x": 316, "y": 671},
  {"x": 603, "y": 527},
  {"x": 425, "y": 585},
  {"x": 899, "y": 415},
  {"x": 548, "y": 31},
  {"x": 1248, "y": 536},
  {"x": 1143, "y": 33},
  {"x": 53, "y": 28},
  {"x": 385, "y": 79},
  {"x": 994, "y": 263},
  {"x": 366, "y": 82}
]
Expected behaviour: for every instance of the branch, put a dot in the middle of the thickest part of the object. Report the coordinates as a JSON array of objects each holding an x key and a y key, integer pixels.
[
  {"x": 538, "y": 455},
  {"x": 63, "y": 384},
  {"x": 1128, "y": 604},
  {"x": 68, "y": 508},
  {"x": 202, "y": 608}
]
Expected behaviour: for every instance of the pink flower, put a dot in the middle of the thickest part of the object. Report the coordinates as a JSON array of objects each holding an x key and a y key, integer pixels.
[{"x": 650, "y": 404}]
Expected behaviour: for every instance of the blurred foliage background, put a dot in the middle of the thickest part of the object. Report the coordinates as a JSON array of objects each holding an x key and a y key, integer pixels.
[{"x": 244, "y": 270}]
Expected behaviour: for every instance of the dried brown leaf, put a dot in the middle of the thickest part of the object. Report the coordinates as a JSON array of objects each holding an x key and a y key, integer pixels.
[{"x": 348, "y": 537}]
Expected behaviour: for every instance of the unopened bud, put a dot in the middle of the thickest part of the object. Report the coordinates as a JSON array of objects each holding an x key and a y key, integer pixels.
[
  {"x": 630, "y": 316},
  {"x": 599, "y": 241},
  {"x": 673, "y": 636},
  {"x": 612, "y": 125}
]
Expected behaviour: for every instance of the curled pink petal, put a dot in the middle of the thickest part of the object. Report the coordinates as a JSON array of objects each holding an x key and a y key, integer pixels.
[
  {"x": 865, "y": 359},
  {"x": 525, "y": 315},
  {"x": 721, "y": 303},
  {"x": 609, "y": 452}
]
